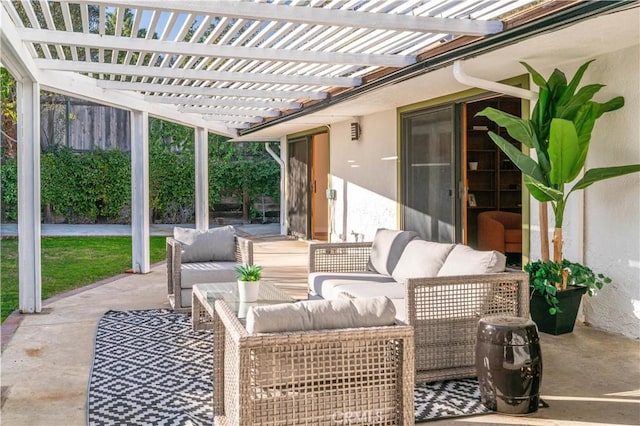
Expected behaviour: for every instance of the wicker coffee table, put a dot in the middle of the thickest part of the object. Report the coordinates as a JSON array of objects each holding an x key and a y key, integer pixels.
[{"x": 204, "y": 296}]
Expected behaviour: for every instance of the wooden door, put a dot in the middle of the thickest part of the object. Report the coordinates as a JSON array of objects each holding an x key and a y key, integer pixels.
[{"x": 298, "y": 200}]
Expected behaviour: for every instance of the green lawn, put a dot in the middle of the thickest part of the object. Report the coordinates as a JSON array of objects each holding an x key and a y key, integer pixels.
[{"x": 70, "y": 262}]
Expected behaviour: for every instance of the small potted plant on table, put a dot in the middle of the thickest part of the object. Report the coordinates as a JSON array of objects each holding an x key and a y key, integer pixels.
[{"x": 248, "y": 282}]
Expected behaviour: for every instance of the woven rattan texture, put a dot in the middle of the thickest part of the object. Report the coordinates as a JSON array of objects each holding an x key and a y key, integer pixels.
[
  {"x": 243, "y": 253},
  {"x": 444, "y": 311},
  {"x": 314, "y": 377},
  {"x": 339, "y": 257}
]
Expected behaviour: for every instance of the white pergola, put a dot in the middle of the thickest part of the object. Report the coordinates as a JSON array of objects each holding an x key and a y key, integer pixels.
[{"x": 218, "y": 66}]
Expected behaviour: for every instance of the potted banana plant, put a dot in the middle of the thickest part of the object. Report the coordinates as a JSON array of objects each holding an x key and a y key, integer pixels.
[{"x": 559, "y": 132}]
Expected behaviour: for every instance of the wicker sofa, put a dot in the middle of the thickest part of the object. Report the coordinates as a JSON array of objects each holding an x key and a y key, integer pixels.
[
  {"x": 443, "y": 310},
  {"x": 323, "y": 377},
  {"x": 214, "y": 254}
]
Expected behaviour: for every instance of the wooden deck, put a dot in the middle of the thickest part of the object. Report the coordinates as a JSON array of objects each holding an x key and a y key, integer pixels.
[{"x": 284, "y": 261}]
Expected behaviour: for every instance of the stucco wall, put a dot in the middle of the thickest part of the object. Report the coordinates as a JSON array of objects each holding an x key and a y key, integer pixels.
[
  {"x": 612, "y": 220},
  {"x": 363, "y": 173},
  {"x": 605, "y": 235}
]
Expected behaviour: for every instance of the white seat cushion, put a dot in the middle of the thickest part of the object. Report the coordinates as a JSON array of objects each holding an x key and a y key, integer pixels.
[
  {"x": 401, "y": 309},
  {"x": 463, "y": 260},
  {"x": 321, "y": 315},
  {"x": 324, "y": 283},
  {"x": 206, "y": 272},
  {"x": 391, "y": 290}
]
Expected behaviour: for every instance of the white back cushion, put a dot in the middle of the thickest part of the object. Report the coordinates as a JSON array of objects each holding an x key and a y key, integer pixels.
[
  {"x": 206, "y": 246},
  {"x": 321, "y": 315},
  {"x": 386, "y": 249},
  {"x": 421, "y": 259},
  {"x": 463, "y": 260}
]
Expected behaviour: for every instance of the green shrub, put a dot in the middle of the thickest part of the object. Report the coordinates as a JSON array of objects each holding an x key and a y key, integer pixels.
[
  {"x": 87, "y": 187},
  {"x": 9, "y": 190}
]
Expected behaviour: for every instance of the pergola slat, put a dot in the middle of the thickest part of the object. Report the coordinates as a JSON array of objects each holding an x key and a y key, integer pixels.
[
  {"x": 223, "y": 102},
  {"x": 104, "y": 68},
  {"x": 212, "y": 91},
  {"x": 204, "y": 50}
]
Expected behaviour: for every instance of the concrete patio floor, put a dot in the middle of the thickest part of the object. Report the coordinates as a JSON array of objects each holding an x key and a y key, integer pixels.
[{"x": 590, "y": 377}]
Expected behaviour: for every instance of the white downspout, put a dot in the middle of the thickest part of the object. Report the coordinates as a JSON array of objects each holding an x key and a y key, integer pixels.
[
  {"x": 467, "y": 80},
  {"x": 282, "y": 186}
]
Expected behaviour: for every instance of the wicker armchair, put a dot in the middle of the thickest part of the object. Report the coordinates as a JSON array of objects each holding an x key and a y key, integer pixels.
[
  {"x": 444, "y": 311},
  {"x": 179, "y": 295},
  {"x": 323, "y": 377}
]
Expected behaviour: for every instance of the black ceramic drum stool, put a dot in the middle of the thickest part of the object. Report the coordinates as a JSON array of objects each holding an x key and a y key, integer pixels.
[{"x": 509, "y": 364}]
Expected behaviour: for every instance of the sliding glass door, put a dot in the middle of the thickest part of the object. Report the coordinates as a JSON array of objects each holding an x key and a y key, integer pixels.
[{"x": 428, "y": 173}]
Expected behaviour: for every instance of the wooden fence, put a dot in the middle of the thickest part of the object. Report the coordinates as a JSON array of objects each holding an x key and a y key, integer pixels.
[{"x": 83, "y": 126}]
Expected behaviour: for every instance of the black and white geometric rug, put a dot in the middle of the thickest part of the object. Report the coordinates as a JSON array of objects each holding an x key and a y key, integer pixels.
[
  {"x": 449, "y": 398},
  {"x": 150, "y": 368}
]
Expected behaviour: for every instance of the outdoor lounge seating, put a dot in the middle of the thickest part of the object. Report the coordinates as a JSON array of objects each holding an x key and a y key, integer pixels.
[
  {"x": 313, "y": 375},
  {"x": 442, "y": 290},
  {"x": 202, "y": 257}
]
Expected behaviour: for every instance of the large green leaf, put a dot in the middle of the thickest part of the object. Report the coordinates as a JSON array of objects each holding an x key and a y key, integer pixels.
[
  {"x": 573, "y": 85},
  {"x": 564, "y": 152},
  {"x": 557, "y": 83},
  {"x": 527, "y": 165},
  {"x": 611, "y": 105},
  {"x": 595, "y": 175},
  {"x": 517, "y": 128},
  {"x": 541, "y": 192},
  {"x": 535, "y": 75},
  {"x": 583, "y": 96},
  {"x": 586, "y": 117},
  {"x": 541, "y": 117}
]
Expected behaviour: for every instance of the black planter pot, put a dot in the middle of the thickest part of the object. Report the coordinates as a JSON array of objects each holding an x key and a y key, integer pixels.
[{"x": 561, "y": 322}]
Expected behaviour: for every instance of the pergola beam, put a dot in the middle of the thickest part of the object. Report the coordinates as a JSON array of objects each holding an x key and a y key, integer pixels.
[
  {"x": 317, "y": 16},
  {"x": 83, "y": 87},
  {"x": 60, "y": 38},
  {"x": 223, "y": 102},
  {"x": 232, "y": 118},
  {"x": 232, "y": 113},
  {"x": 14, "y": 56},
  {"x": 211, "y": 91},
  {"x": 190, "y": 74}
]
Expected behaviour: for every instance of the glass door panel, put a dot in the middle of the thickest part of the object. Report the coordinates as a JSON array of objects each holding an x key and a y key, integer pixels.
[{"x": 428, "y": 175}]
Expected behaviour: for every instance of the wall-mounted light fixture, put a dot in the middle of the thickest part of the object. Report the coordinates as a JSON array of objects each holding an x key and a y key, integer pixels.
[{"x": 356, "y": 130}]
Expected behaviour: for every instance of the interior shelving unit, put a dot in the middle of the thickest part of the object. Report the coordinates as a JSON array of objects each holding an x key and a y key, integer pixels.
[{"x": 495, "y": 183}]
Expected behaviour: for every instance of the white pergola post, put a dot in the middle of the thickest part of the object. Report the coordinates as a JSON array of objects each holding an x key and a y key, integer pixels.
[
  {"x": 202, "y": 178},
  {"x": 29, "y": 268},
  {"x": 140, "y": 191}
]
